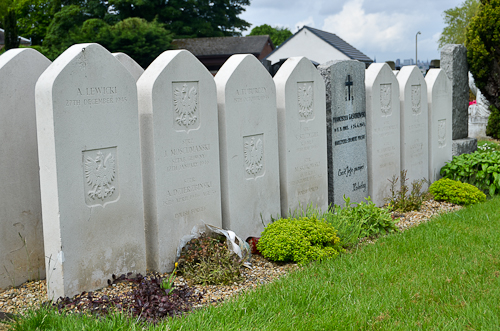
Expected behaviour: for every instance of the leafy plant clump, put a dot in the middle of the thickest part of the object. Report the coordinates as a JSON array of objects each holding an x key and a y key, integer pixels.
[
  {"x": 456, "y": 192},
  {"x": 404, "y": 200},
  {"x": 148, "y": 301},
  {"x": 355, "y": 221},
  {"x": 207, "y": 260},
  {"x": 299, "y": 240},
  {"x": 481, "y": 169}
]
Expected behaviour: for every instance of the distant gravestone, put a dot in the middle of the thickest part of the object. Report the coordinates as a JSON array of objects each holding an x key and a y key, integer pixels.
[
  {"x": 454, "y": 63},
  {"x": 300, "y": 96},
  {"x": 133, "y": 67},
  {"x": 90, "y": 171},
  {"x": 414, "y": 123},
  {"x": 346, "y": 130},
  {"x": 180, "y": 152},
  {"x": 21, "y": 238},
  {"x": 248, "y": 134},
  {"x": 383, "y": 120},
  {"x": 440, "y": 118}
]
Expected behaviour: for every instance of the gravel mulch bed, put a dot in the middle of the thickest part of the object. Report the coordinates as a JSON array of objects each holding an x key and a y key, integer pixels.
[{"x": 32, "y": 295}]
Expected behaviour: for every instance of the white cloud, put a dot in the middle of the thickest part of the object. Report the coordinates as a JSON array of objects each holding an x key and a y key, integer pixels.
[
  {"x": 379, "y": 31},
  {"x": 308, "y": 21}
]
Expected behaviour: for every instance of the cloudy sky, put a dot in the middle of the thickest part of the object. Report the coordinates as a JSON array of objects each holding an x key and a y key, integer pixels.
[{"x": 383, "y": 29}]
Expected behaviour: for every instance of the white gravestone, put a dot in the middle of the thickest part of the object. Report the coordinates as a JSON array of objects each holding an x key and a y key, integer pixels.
[
  {"x": 382, "y": 130},
  {"x": 180, "y": 152},
  {"x": 133, "y": 67},
  {"x": 21, "y": 238},
  {"x": 478, "y": 112},
  {"x": 248, "y": 138},
  {"x": 439, "y": 95},
  {"x": 300, "y": 98},
  {"x": 414, "y": 124},
  {"x": 90, "y": 171},
  {"x": 346, "y": 130}
]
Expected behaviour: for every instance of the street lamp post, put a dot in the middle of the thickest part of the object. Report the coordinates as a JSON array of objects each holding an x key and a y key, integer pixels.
[{"x": 416, "y": 36}]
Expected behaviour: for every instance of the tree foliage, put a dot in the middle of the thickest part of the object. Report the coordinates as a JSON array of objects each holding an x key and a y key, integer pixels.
[
  {"x": 136, "y": 27},
  {"x": 278, "y": 35},
  {"x": 457, "y": 19},
  {"x": 483, "y": 56}
]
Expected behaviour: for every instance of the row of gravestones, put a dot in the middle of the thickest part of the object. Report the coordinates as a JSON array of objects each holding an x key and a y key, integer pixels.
[{"x": 230, "y": 151}]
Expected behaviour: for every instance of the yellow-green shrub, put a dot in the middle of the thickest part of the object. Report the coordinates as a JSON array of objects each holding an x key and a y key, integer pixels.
[
  {"x": 456, "y": 192},
  {"x": 300, "y": 240}
]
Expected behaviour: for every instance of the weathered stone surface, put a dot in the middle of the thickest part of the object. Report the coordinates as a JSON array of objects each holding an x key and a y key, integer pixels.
[
  {"x": 180, "y": 153},
  {"x": 414, "y": 123},
  {"x": 464, "y": 146},
  {"x": 454, "y": 63},
  {"x": 440, "y": 114},
  {"x": 248, "y": 139},
  {"x": 346, "y": 130},
  {"x": 383, "y": 134},
  {"x": 133, "y": 67},
  {"x": 21, "y": 237},
  {"x": 90, "y": 171},
  {"x": 300, "y": 97}
]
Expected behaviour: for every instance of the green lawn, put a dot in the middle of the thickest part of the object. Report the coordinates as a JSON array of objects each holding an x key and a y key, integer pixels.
[{"x": 441, "y": 275}]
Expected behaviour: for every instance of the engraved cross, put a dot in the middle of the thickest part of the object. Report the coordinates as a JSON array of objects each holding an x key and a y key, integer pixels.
[{"x": 348, "y": 84}]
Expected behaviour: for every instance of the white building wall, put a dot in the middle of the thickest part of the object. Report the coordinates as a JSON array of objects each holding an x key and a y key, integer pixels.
[{"x": 305, "y": 43}]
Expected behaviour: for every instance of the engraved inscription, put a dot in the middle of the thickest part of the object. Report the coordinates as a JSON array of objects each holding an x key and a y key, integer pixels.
[
  {"x": 253, "y": 151},
  {"x": 186, "y": 105},
  {"x": 305, "y": 99},
  {"x": 100, "y": 171},
  {"x": 349, "y": 96},
  {"x": 385, "y": 99},
  {"x": 251, "y": 94},
  {"x": 442, "y": 133},
  {"x": 94, "y": 96},
  {"x": 416, "y": 94}
]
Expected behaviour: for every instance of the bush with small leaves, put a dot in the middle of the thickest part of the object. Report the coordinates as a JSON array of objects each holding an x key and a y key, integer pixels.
[
  {"x": 456, "y": 192},
  {"x": 299, "y": 240}
]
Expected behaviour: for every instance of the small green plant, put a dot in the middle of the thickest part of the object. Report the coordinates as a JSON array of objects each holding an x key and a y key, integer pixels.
[
  {"x": 456, "y": 192},
  {"x": 487, "y": 146},
  {"x": 403, "y": 199},
  {"x": 481, "y": 169},
  {"x": 207, "y": 260},
  {"x": 299, "y": 240},
  {"x": 168, "y": 283},
  {"x": 360, "y": 220}
]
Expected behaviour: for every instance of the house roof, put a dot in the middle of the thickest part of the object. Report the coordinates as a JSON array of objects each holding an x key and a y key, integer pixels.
[
  {"x": 24, "y": 41},
  {"x": 334, "y": 41},
  {"x": 223, "y": 45}
]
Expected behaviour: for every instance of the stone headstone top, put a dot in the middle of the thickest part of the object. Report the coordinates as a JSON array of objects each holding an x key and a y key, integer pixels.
[
  {"x": 180, "y": 152},
  {"x": 346, "y": 130},
  {"x": 414, "y": 123},
  {"x": 391, "y": 64},
  {"x": 300, "y": 96},
  {"x": 454, "y": 63},
  {"x": 133, "y": 67},
  {"x": 248, "y": 135},
  {"x": 440, "y": 114},
  {"x": 20, "y": 206},
  {"x": 382, "y": 130},
  {"x": 90, "y": 171}
]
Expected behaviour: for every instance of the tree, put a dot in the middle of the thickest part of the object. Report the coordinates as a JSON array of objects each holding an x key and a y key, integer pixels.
[
  {"x": 278, "y": 35},
  {"x": 483, "y": 56},
  {"x": 457, "y": 19},
  {"x": 12, "y": 39}
]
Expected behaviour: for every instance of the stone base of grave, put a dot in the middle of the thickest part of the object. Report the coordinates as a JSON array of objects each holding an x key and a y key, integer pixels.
[{"x": 464, "y": 146}]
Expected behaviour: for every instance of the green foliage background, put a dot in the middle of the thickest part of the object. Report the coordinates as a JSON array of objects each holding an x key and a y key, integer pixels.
[
  {"x": 457, "y": 20},
  {"x": 141, "y": 28},
  {"x": 278, "y": 35}
]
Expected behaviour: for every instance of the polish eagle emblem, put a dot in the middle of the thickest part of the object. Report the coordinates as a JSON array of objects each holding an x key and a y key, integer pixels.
[
  {"x": 100, "y": 173},
  {"x": 305, "y": 98},
  {"x": 415, "y": 99},
  {"x": 253, "y": 156},
  {"x": 186, "y": 105},
  {"x": 385, "y": 98}
]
